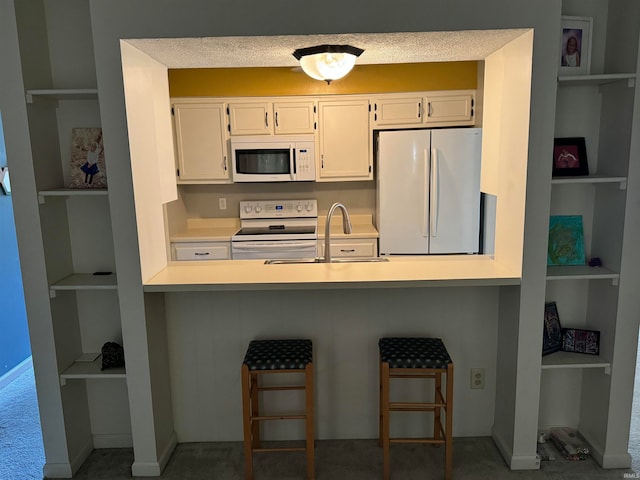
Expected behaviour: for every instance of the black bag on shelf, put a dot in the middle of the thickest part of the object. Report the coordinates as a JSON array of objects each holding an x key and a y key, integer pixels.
[{"x": 112, "y": 355}]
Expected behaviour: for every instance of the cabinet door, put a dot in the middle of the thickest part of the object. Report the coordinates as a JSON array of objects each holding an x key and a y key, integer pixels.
[
  {"x": 443, "y": 109},
  {"x": 250, "y": 118},
  {"x": 294, "y": 117},
  {"x": 343, "y": 129},
  {"x": 201, "y": 141},
  {"x": 397, "y": 111}
]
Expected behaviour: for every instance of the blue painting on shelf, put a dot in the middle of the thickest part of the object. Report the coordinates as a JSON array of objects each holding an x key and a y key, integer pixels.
[{"x": 566, "y": 240}]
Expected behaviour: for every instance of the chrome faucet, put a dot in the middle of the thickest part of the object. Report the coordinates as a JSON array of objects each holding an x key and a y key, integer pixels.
[{"x": 346, "y": 227}]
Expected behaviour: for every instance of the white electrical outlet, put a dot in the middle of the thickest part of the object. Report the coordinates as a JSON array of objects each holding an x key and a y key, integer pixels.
[
  {"x": 477, "y": 378},
  {"x": 222, "y": 203}
]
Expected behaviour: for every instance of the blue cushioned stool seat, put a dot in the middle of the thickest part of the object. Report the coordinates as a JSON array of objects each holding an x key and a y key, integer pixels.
[
  {"x": 283, "y": 354},
  {"x": 414, "y": 352}
]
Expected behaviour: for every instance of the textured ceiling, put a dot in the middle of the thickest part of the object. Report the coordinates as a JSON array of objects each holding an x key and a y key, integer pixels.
[{"x": 276, "y": 51}]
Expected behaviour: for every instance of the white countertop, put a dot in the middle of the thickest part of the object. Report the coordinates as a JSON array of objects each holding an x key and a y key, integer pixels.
[
  {"x": 221, "y": 229},
  {"x": 402, "y": 271}
]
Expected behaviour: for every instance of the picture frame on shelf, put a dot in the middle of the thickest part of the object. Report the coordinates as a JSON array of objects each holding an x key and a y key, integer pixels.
[
  {"x": 5, "y": 183},
  {"x": 581, "y": 341},
  {"x": 570, "y": 157},
  {"x": 575, "y": 46},
  {"x": 552, "y": 334},
  {"x": 566, "y": 240},
  {"x": 87, "y": 159}
]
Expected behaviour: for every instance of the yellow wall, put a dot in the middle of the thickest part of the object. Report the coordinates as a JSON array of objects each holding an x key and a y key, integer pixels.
[{"x": 271, "y": 81}]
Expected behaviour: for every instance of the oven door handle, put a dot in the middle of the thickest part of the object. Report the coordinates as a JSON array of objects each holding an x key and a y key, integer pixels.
[{"x": 248, "y": 246}]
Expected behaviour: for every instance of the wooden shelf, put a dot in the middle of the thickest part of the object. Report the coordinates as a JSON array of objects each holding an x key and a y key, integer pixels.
[
  {"x": 71, "y": 192},
  {"x": 84, "y": 281},
  {"x": 590, "y": 179},
  {"x": 85, "y": 370},
  {"x": 578, "y": 272},
  {"x": 62, "y": 94},
  {"x": 574, "y": 360},
  {"x": 601, "y": 79}
]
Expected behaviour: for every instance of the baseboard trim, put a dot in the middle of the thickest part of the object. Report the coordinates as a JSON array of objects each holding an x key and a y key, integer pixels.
[
  {"x": 616, "y": 460},
  {"x": 515, "y": 462},
  {"x": 82, "y": 455},
  {"x": 112, "y": 441},
  {"x": 154, "y": 469},
  {"x": 57, "y": 470},
  {"x": 15, "y": 372}
]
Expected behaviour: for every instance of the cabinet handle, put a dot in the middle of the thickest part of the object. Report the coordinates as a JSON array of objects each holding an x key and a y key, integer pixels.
[
  {"x": 347, "y": 250},
  {"x": 277, "y": 120},
  {"x": 429, "y": 109},
  {"x": 201, "y": 254},
  {"x": 266, "y": 119},
  {"x": 419, "y": 109},
  {"x": 224, "y": 163},
  {"x": 321, "y": 161}
]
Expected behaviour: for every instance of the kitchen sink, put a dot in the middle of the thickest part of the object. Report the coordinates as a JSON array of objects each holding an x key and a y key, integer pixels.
[{"x": 283, "y": 261}]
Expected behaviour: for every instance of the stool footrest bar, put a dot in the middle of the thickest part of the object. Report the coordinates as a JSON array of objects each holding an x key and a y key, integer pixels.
[
  {"x": 280, "y": 449},
  {"x": 279, "y": 417},
  {"x": 417, "y": 440},
  {"x": 272, "y": 388}
]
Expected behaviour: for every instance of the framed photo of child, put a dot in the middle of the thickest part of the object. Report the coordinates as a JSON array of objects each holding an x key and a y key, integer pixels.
[
  {"x": 87, "y": 159},
  {"x": 575, "y": 46}
]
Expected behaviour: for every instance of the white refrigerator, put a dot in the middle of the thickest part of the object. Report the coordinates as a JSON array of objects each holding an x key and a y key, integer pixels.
[{"x": 428, "y": 196}]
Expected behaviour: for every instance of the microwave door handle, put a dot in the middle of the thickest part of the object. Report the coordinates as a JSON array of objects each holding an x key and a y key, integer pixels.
[{"x": 292, "y": 161}]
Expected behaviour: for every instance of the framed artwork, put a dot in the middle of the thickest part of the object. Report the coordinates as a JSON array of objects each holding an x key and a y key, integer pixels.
[
  {"x": 552, "y": 335},
  {"x": 570, "y": 157},
  {"x": 581, "y": 341},
  {"x": 87, "y": 159},
  {"x": 566, "y": 240},
  {"x": 575, "y": 46}
]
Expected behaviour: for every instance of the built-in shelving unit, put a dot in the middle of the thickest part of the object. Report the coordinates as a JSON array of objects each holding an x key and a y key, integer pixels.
[
  {"x": 61, "y": 94},
  {"x": 589, "y": 391},
  {"x": 71, "y": 192}
]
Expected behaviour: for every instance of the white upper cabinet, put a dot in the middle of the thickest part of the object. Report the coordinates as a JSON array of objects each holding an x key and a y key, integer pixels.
[
  {"x": 269, "y": 118},
  {"x": 251, "y": 118},
  {"x": 427, "y": 109},
  {"x": 448, "y": 109},
  {"x": 201, "y": 142},
  {"x": 294, "y": 117},
  {"x": 344, "y": 139}
]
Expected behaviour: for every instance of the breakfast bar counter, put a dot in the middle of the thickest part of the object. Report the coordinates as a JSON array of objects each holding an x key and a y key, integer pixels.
[{"x": 402, "y": 271}]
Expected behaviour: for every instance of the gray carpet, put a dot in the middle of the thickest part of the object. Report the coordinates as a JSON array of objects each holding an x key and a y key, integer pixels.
[
  {"x": 22, "y": 457},
  {"x": 21, "y": 451}
]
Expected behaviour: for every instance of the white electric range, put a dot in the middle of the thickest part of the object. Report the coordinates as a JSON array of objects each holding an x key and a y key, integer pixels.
[{"x": 276, "y": 229}]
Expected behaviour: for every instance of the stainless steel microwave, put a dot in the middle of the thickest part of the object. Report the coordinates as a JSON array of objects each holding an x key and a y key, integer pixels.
[{"x": 273, "y": 159}]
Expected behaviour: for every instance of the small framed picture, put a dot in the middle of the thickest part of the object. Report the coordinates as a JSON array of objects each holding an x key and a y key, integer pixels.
[
  {"x": 581, "y": 341},
  {"x": 570, "y": 157},
  {"x": 552, "y": 336},
  {"x": 575, "y": 47},
  {"x": 566, "y": 240}
]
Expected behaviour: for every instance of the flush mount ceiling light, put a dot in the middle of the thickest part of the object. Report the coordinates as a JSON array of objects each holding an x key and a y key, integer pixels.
[{"x": 327, "y": 62}]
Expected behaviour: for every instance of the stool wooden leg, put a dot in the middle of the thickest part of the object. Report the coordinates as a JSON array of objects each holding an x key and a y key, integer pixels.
[
  {"x": 386, "y": 461},
  {"x": 246, "y": 422},
  {"x": 255, "y": 409},
  {"x": 380, "y": 403},
  {"x": 436, "y": 412},
  {"x": 449, "y": 427},
  {"x": 310, "y": 421}
]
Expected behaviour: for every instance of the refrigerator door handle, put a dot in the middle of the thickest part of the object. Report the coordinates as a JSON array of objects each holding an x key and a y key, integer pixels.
[
  {"x": 425, "y": 201},
  {"x": 433, "y": 194}
]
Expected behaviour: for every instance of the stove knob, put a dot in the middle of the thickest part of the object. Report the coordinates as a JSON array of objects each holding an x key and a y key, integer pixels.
[
  {"x": 299, "y": 207},
  {"x": 258, "y": 208},
  {"x": 309, "y": 207},
  {"x": 247, "y": 208}
]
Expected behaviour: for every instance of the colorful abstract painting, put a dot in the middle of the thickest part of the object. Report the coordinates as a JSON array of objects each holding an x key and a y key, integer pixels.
[{"x": 566, "y": 240}]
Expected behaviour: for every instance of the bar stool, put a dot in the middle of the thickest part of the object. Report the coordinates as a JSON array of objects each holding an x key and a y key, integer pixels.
[
  {"x": 416, "y": 357},
  {"x": 276, "y": 356}
]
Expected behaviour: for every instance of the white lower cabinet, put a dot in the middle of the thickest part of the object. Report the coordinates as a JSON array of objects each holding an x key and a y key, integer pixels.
[
  {"x": 361, "y": 247},
  {"x": 198, "y": 251}
]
